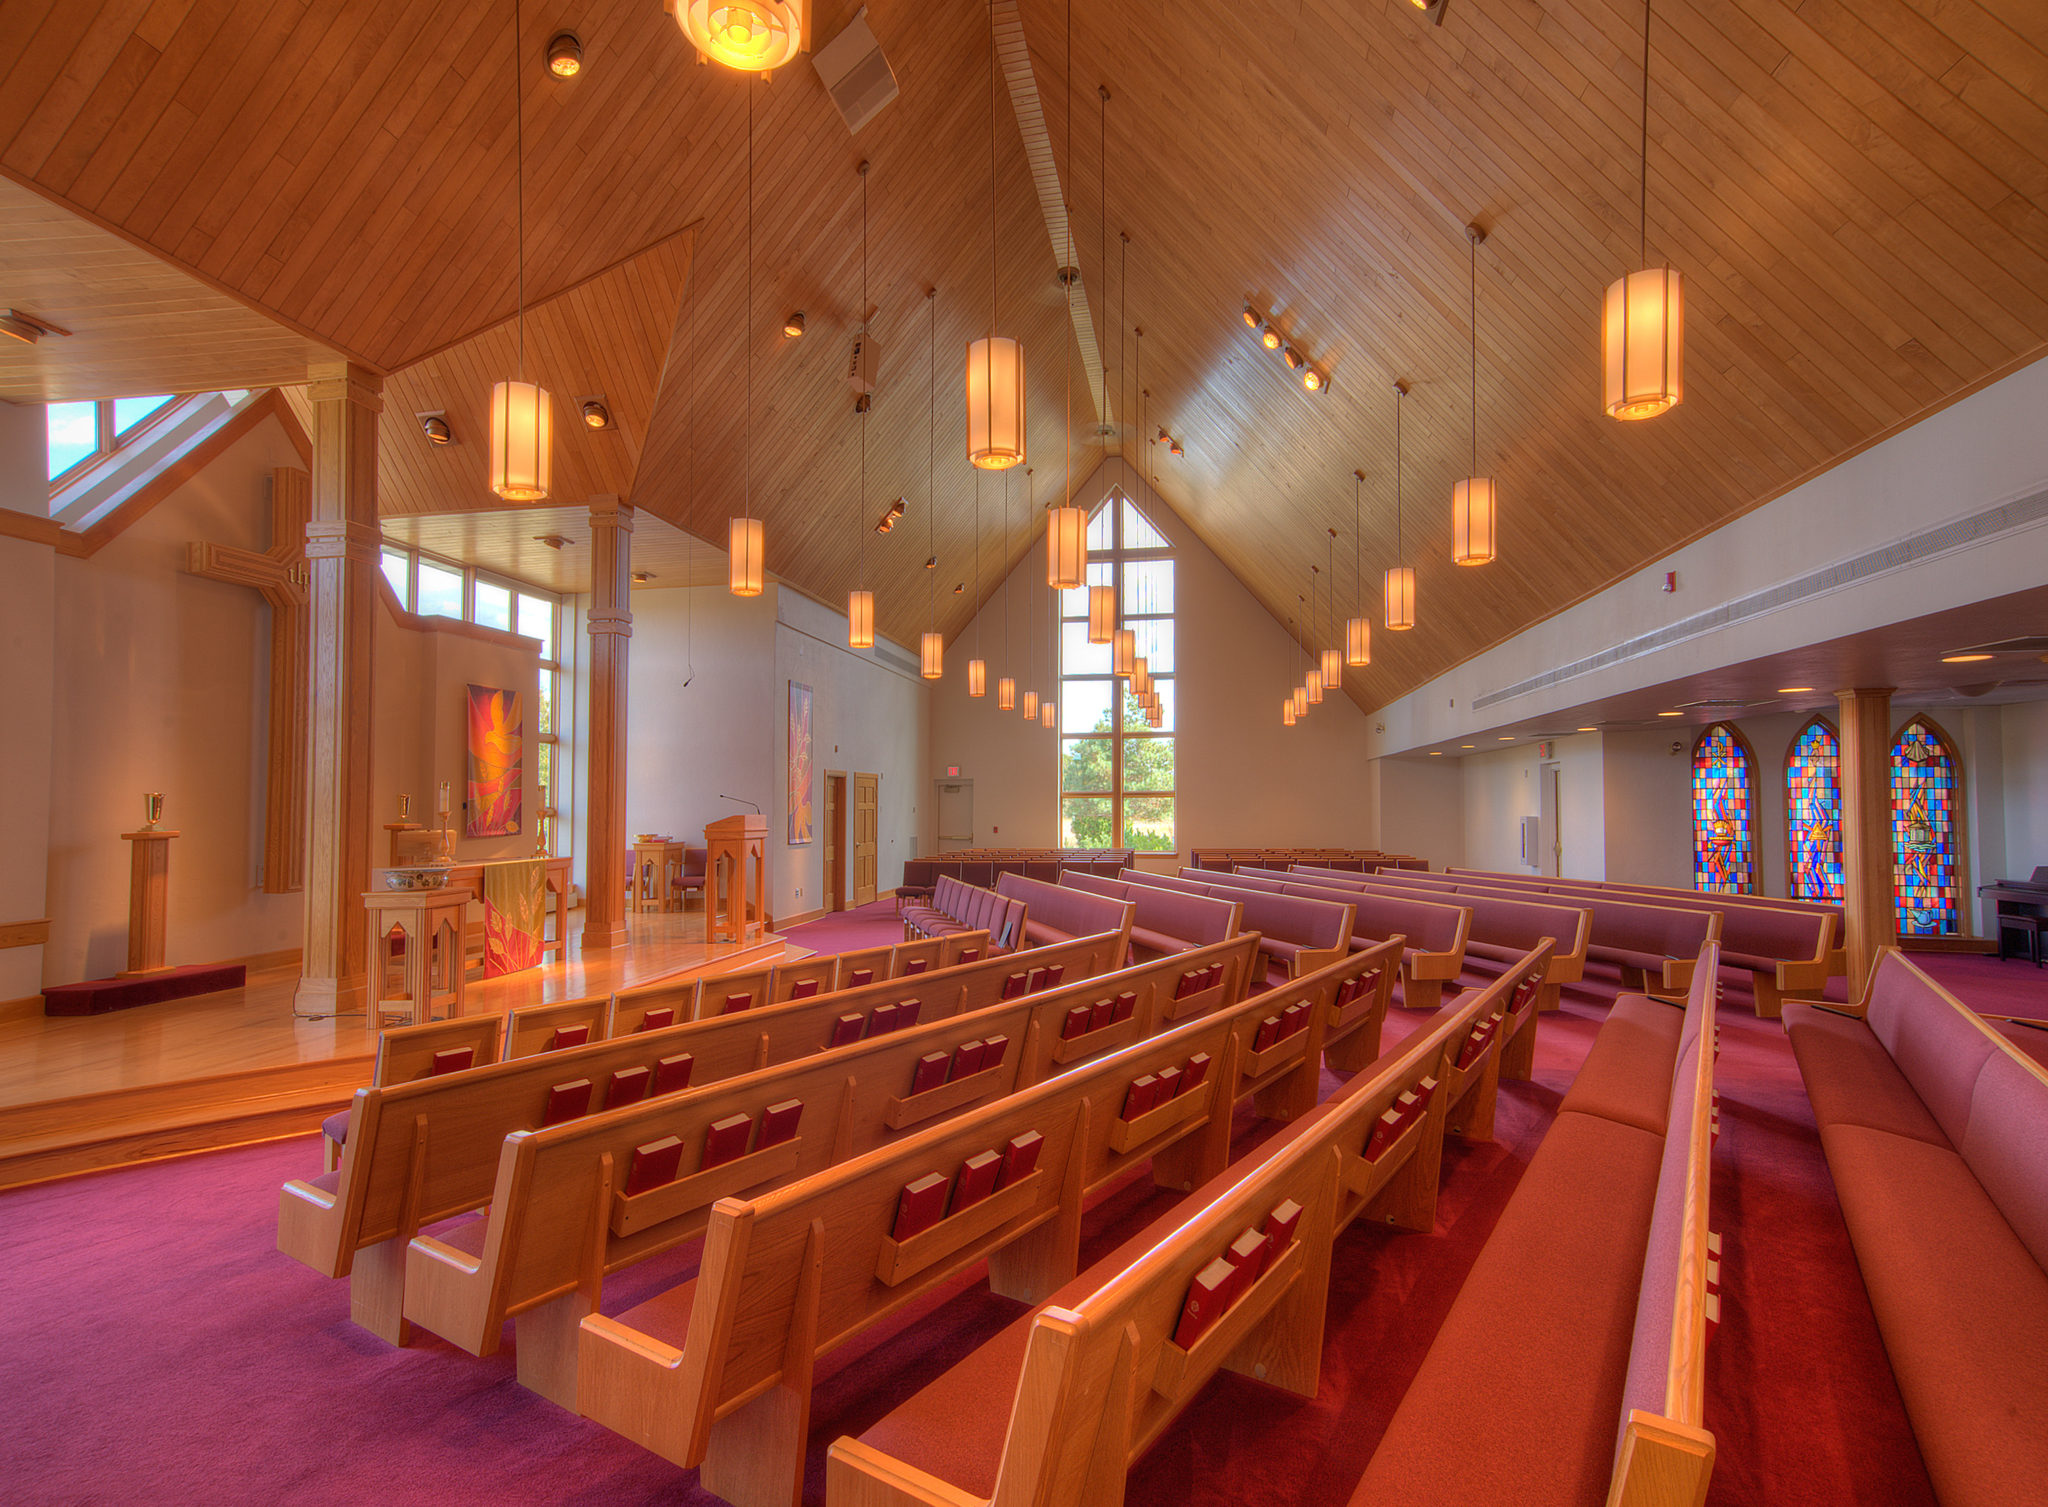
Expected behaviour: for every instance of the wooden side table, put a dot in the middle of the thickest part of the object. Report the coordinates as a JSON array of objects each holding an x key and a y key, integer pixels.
[
  {"x": 651, "y": 889},
  {"x": 431, "y": 922}
]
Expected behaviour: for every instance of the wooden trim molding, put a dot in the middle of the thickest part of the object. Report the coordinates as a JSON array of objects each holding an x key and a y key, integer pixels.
[
  {"x": 412, "y": 622},
  {"x": 24, "y": 933},
  {"x": 27, "y": 526}
]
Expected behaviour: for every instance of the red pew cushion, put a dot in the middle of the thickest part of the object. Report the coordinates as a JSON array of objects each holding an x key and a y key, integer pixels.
[
  {"x": 1850, "y": 1077},
  {"x": 1627, "y": 1074}
]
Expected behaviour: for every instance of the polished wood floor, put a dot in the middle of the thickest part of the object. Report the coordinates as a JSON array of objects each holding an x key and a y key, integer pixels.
[{"x": 178, "y": 1041}]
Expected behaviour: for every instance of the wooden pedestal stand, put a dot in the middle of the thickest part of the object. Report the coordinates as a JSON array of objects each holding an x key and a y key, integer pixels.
[
  {"x": 149, "y": 886},
  {"x": 431, "y": 922},
  {"x": 731, "y": 910}
]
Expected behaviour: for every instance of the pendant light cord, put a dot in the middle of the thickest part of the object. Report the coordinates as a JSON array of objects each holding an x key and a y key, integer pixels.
[
  {"x": 1400, "y": 392},
  {"x": 1357, "y": 542},
  {"x": 1472, "y": 240},
  {"x": 519, "y": 185},
  {"x": 931, "y": 466},
  {"x": 1068, "y": 469},
  {"x": 1643, "y": 199},
  {"x": 747, "y": 490},
  {"x": 1102, "y": 187},
  {"x": 860, "y": 514}
]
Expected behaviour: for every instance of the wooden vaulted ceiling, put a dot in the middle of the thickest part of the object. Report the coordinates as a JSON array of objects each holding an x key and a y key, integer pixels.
[{"x": 1857, "y": 194}]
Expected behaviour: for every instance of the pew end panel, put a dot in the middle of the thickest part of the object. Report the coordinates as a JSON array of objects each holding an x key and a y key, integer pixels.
[
  {"x": 814, "y": 975},
  {"x": 546, "y": 1028}
]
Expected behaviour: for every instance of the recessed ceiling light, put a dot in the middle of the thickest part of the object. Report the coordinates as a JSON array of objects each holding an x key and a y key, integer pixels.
[
  {"x": 1964, "y": 659},
  {"x": 1436, "y": 753},
  {"x": 1468, "y": 745},
  {"x": 595, "y": 414},
  {"x": 1671, "y": 714},
  {"x": 1505, "y": 738},
  {"x": 565, "y": 55},
  {"x": 1589, "y": 729},
  {"x": 1794, "y": 690},
  {"x": 793, "y": 326},
  {"x": 643, "y": 576}
]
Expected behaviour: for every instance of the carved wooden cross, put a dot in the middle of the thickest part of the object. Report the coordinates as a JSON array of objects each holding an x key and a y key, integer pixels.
[{"x": 280, "y": 574}]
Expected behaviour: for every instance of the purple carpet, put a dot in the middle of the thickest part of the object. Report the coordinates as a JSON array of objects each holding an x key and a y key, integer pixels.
[
  {"x": 875, "y": 924},
  {"x": 163, "y": 1351}
]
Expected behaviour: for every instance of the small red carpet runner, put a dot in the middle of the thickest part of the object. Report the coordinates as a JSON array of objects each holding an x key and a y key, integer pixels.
[{"x": 97, "y": 996}]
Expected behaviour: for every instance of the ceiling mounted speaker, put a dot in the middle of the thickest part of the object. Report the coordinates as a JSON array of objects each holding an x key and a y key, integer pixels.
[{"x": 855, "y": 73}]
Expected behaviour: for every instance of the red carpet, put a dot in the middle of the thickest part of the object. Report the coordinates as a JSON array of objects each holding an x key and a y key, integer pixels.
[
  {"x": 160, "y": 1350},
  {"x": 875, "y": 924},
  {"x": 97, "y": 996}
]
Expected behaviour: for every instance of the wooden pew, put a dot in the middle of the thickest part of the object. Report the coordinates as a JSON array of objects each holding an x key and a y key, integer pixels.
[
  {"x": 549, "y": 1028},
  {"x": 1300, "y": 934},
  {"x": 1784, "y": 945},
  {"x": 1054, "y": 1411},
  {"x": 1647, "y": 940},
  {"x": 715, "y": 1373},
  {"x": 560, "y": 1216},
  {"x": 907, "y": 959},
  {"x": 874, "y": 961},
  {"x": 735, "y": 993},
  {"x": 804, "y": 978},
  {"x": 1604, "y": 1238},
  {"x": 1059, "y": 911},
  {"x": 406, "y": 1053},
  {"x": 421, "y": 1152},
  {"x": 1165, "y": 921},
  {"x": 964, "y": 947},
  {"x": 653, "y": 1008}
]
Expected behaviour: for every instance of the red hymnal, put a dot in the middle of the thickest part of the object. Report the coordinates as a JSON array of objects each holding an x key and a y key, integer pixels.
[
  {"x": 1346, "y": 992},
  {"x": 1295, "y": 1017},
  {"x": 1015, "y": 985},
  {"x": 1194, "y": 1074},
  {"x": 1035, "y": 981},
  {"x": 970, "y": 955},
  {"x": 1475, "y": 1043},
  {"x": 1207, "y": 1297},
  {"x": 977, "y": 1180},
  {"x": 1124, "y": 1007},
  {"x": 993, "y": 1050},
  {"x": 804, "y": 989},
  {"x": 847, "y": 1029},
  {"x": 734, "y": 1003},
  {"x": 655, "y": 1020},
  {"x": 726, "y": 1139},
  {"x": 778, "y": 1123},
  {"x": 881, "y": 1020},
  {"x": 1141, "y": 1096},
  {"x": 568, "y": 1036},
  {"x": 916, "y": 965},
  {"x": 451, "y": 1060},
  {"x": 567, "y": 1101},
  {"x": 1054, "y": 972},
  {"x": 1250, "y": 1251},
  {"x": 1077, "y": 1023},
  {"x": 860, "y": 976},
  {"x": 906, "y": 1014},
  {"x": 654, "y": 1164},
  {"x": 1101, "y": 1013},
  {"x": 930, "y": 1072},
  {"x": 1169, "y": 1084},
  {"x": 922, "y": 1205},
  {"x": 1385, "y": 1131},
  {"x": 1280, "y": 1225},
  {"x": 1522, "y": 992},
  {"x": 1267, "y": 1034},
  {"x": 1190, "y": 983},
  {"x": 672, "y": 1074},
  {"x": 1019, "y": 1157},
  {"x": 967, "y": 1058},
  {"x": 628, "y": 1086}
]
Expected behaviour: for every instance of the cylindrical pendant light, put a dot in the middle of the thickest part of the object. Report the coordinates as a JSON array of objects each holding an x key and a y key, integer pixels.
[
  {"x": 1333, "y": 668},
  {"x": 931, "y": 655},
  {"x": 1141, "y": 676},
  {"x": 1066, "y": 548},
  {"x": 977, "y": 677},
  {"x": 751, "y": 35},
  {"x": 1400, "y": 581},
  {"x": 1300, "y": 701},
  {"x": 1642, "y": 320},
  {"x": 1313, "y": 684},
  {"x": 1287, "y": 712},
  {"x": 860, "y": 619},
  {"x": 1045, "y": 713},
  {"x": 1400, "y": 591},
  {"x": 1006, "y": 694},
  {"x": 1028, "y": 706},
  {"x": 745, "y": 546},
  {"x": 1475, "y": 500},
  {"x": 995, "y": 363},
  {"x": 522, "y": 441},
  {"x": 1123, "y": 652},
  {"x": 860, "y": 602},
  {"x": 1101, "y": 614},
  {"x": 1358, "y": 642}
]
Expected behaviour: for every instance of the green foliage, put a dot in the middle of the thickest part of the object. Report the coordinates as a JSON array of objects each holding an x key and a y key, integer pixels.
[{"x": 1148, "y": 765}]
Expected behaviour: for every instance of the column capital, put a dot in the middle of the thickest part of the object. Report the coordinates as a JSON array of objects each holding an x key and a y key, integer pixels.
[
  {"x": 332, "y": 381},
  {"x": 603, "y": 620},
  {"x": 342, "y": 539},
  {"x": 1866, "y": 693}
]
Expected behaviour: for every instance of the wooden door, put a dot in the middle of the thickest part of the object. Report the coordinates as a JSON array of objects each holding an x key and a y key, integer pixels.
[
  {"x": 866, "y": 798},
  {"x": 835, "y": 842}
]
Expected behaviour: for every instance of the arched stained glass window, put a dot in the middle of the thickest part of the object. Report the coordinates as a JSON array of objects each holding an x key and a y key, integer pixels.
[
  {"x": 1925, "y": 807},
  {"x": 1813, "y": 813},
  {"x": 1723, "y": 812}
]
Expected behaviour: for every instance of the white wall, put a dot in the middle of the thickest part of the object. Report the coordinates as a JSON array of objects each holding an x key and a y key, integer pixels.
[
  {"x": 28, "y": 578},
  {"x": 1242, "y": 778},
  {"x": 2024, "y": 757},
  {"x": 1421, "y": 809}
]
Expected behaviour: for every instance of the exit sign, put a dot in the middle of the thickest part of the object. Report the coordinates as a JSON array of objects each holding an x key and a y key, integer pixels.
[{"x": 952, "y": 771}]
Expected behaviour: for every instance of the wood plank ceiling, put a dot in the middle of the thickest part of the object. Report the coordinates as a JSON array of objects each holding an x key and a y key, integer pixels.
[{"x": 1858, "y": 196}]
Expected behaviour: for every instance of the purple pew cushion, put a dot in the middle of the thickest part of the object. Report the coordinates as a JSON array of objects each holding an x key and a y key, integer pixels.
[
  {"x": 2006, "y": 1148},
  {"x": 1938, "y": 1048},
  {"x": 1626, "y": 1076},
  {"x": 335, "y": 1128},
  {"x": 1850, "y": 1077}
]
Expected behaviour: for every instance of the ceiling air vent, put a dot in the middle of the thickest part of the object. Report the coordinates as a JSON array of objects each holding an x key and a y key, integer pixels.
[{"x": 856, "y": 74}]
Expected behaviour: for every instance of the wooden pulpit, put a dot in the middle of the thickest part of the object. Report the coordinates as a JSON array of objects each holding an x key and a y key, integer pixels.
[{"x": 733, "y": 908}]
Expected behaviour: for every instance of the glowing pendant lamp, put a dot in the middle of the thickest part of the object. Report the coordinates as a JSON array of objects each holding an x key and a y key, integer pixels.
[
  {"x": 522, "y": 414},
  {"x": 1006, "y": 694},
  {"x": 745, "y": 568},
  {"x": 1332, "y": 658},
  {"x": 1333, "y": 668},
  {"x": 1045, "y": 713},
  {"x": 1475, "y": 501},
  {"x": 1642, "y": 320},
  {"x": 745, "y": 547},
  {"x": 1066, "y": 548},
  {"x": 1300, "y": 701},
  {"x": 995, "y": 363},
  {"x": 1358, "y": 629},
  {"x": 1313, "y": 684},
  {"x": 1101, "y": 613},
  {"x": 1400, "y": 582},
  {"x": 1123, "y": 652},
  {"x": 1030, "y": 706},
  {"x": 860, "y": 602},
  {"x": 1141, "y": 676},
  {"x": 1358, "y": 642},
  {"x": 931, "y": 648},
  {"x": 977, "y": 677},
  {"x": 751, "y": 35},
  {"x": 931, "y": 655},
  {"x": 1287, "y": 713},
  {"x": 860, "y": 619}
]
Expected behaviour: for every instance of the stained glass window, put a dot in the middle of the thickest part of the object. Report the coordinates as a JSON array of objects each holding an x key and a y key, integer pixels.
[
  {"x": 1723, "y": 833},
  {"x": 1813, "y": 813},
  {"x": 1924, "y": 800}
]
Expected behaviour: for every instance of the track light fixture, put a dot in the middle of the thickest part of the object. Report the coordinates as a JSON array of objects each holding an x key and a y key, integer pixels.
[
  {"x": 1432, "y": 10},
  {"x": 1314, "y": 381},
  {"x": 793, "y": 327},
  {"x": 565, "y": 55},
  {"x": 1269, "y": 337},
  {"x": 1175, "y": 450},
  {"x": 888, "y": 519},
  {"x": 1251, "y": 317},
  {"x": 596, "y": 415},
  {"x": 435, "y": 427},
  {"x": 1293, "y": 358},
  {"x": 1313, "y": 378}
]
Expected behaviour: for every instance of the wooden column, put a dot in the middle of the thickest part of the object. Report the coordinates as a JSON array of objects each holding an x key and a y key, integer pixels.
[
  {"x": 610, "y": 621},
  {"x": 1869, "y": 913},
  {"x": 341, "y": 548}
]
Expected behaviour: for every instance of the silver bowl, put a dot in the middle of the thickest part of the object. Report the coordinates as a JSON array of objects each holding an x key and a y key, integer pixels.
[{"x": 414, "y": 878}]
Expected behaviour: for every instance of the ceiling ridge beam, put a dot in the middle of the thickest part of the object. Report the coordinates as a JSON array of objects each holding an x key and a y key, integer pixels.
[{"x": 1013, "y": 56}]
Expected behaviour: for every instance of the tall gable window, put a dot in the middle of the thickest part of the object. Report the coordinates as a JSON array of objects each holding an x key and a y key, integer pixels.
[{"x": 1116, "y": 770}]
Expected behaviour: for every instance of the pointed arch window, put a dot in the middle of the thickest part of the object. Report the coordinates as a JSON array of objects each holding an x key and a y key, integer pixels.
[
  {"x": 1723, "y": 812},
  {"x": 1813, "y": 813},
  {"x": 1926, "y": 816}
]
